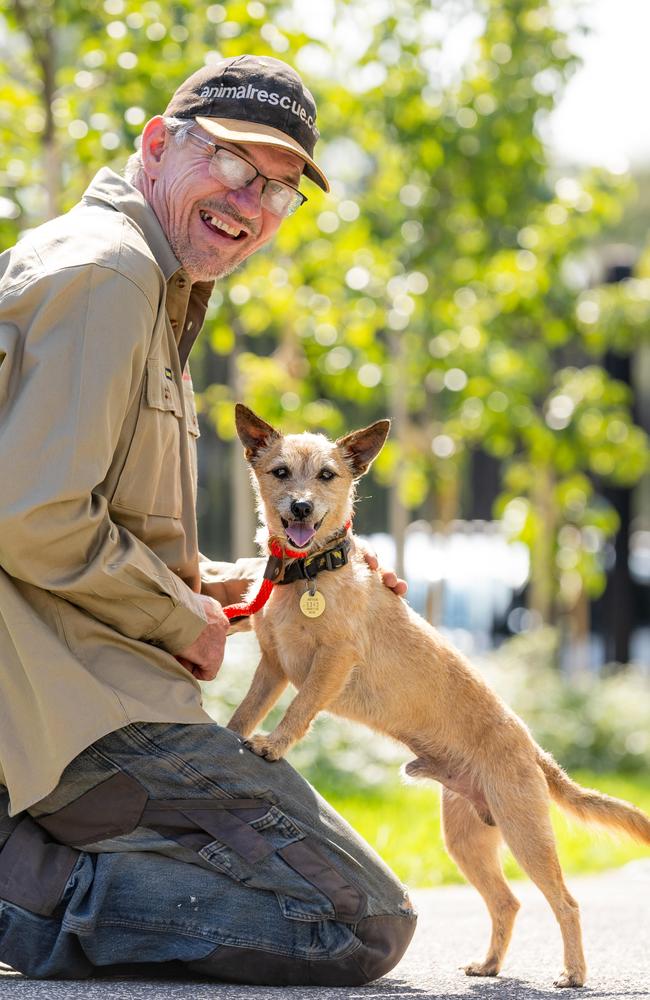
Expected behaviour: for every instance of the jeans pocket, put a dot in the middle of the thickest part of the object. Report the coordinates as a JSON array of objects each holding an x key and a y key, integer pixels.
[{"x": 299, "y": 898}]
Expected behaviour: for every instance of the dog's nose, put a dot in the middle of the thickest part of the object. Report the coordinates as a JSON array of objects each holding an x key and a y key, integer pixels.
[{"x": 301, "y": 509}]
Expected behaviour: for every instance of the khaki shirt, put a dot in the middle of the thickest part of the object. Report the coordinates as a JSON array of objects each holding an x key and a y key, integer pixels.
[{"x": 99, "y": 563}]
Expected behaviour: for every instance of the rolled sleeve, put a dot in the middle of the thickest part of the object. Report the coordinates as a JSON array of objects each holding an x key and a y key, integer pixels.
[{"x": 178, "y": 630}]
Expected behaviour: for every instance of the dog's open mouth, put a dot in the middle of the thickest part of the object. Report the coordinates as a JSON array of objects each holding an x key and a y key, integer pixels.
[{"x": 300, "y": 533}]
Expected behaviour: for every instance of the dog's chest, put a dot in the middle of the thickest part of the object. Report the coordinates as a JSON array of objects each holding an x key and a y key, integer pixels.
[
  {"x": 295, "y": 637},
  {"x": 296, "y": 653}
]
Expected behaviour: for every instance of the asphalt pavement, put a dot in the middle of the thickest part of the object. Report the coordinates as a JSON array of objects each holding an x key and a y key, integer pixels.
[{"x": 453, "y": 929}]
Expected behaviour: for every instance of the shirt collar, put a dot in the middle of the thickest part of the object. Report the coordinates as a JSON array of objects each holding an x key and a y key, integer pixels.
[{"x": 110, "y": 188}]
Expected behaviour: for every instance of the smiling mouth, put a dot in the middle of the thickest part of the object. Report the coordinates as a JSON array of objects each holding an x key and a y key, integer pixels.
[
  {"x": 299, "y": 533},
  {"x": 216, "y": 225}
]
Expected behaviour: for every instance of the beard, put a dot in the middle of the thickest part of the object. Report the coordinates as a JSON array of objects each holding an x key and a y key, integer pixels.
[
  {"x": 202, "y": 266},
  {"x": 206, "y": 265}
]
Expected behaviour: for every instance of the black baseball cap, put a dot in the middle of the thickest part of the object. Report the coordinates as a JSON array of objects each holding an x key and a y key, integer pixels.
[{"x": 253, "y": 99}]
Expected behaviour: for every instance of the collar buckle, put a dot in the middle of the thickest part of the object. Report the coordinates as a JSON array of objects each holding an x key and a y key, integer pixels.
[
  {"x": 308, "y": 569},
  {"x": 274, "y": 568},
  {"x": 335, "y": 558}
]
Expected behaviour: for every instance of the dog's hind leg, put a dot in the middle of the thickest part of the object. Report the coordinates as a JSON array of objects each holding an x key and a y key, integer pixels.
[
  {"x": 455, "y": 779},
  {"x": 474, "y": 846},
  {"x": 520, "y": 807}
]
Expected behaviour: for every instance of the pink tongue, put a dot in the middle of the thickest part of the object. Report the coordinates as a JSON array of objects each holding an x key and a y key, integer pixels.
[{"x": 299, "y": 533}]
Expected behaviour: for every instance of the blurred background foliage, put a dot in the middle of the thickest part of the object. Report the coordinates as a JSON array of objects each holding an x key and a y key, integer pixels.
[
  {"x": 437, "y": 283},
  {"x": 453, "y": 279}
]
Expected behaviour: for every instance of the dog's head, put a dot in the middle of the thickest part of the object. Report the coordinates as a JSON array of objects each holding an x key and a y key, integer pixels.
[{"x": 305, "y": 481}]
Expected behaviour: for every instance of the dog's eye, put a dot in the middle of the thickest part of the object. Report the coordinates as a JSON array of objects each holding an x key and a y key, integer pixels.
[
  {"x": 281, "y": 472},
  {"x": 326, "y": 474}
]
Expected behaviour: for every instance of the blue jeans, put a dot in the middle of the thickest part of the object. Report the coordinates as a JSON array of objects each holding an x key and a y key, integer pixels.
[{"x": 210, "y": 856}]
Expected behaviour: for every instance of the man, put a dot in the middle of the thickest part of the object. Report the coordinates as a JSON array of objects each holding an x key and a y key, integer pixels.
[{"x": 133, "y": 827}]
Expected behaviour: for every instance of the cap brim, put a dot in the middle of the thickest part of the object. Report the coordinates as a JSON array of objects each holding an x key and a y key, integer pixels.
[{"x": 264, "y": 135}]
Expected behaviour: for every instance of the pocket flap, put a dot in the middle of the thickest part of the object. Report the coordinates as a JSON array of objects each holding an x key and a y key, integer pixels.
[
  {"x": 190, "y": 409},
  {"x": 162, "y": 391}
]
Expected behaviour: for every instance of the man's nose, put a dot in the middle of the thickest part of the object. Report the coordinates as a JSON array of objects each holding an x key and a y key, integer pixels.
[
  {"x": 301, "y": 509},
  {"x": 247, "y": 200}
]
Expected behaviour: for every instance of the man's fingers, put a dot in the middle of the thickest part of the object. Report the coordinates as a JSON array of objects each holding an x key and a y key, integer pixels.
[
  {"x": 198, "y": 670},
  {"x": 392, "y": 581},
  {"x": 388, "y": 576},
  {"x": 193, "y": 668},
  {"x": 205, "y": 673},
  {"x": 368, "y": 554}
]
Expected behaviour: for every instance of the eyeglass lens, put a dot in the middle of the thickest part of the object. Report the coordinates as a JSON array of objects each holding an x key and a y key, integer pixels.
[{"x": 230, "y": 169}]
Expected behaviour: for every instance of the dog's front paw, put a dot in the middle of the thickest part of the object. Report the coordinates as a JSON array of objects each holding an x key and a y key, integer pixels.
[{"x": 266, "y": 746}]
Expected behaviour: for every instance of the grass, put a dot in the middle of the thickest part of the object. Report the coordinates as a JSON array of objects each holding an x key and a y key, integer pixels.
[{"x": 403, "y": 824}]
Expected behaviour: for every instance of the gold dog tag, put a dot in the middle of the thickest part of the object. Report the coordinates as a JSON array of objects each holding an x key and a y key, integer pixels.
[{"x": 312, "y": 605}]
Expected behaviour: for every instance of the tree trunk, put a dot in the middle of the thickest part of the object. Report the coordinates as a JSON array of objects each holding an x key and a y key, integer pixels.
[
  {"x": 39, "y": 26},
  {"x": 575, "y": 631},
  {"x": 397, "y": 513},
  {"x": 543, "y": 581},
  {"x": 53, "y": 184}
]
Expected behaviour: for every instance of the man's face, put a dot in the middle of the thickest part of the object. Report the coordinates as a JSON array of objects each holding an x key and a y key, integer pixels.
[{"x": 192, "y": 206}]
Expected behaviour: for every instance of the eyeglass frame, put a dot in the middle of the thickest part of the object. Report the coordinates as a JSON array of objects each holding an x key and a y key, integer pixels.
[{"x": 216, "y": 146}]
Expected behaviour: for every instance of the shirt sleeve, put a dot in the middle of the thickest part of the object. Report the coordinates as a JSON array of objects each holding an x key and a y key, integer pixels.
[
  {"x": 84, "y": 354},
  {"x": 228, "y": 582}
]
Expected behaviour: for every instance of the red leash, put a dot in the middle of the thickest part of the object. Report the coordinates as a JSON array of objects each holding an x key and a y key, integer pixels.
[{"x": 263, "y": 594}]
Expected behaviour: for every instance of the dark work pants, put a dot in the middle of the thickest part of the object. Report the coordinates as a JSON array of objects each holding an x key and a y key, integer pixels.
[{"x": 183, "y": 846}]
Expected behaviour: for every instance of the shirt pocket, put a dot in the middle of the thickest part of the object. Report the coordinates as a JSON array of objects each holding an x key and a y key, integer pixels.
[
  {"x": 150, "y": 481},
  {"x": 193, "y": 431}
]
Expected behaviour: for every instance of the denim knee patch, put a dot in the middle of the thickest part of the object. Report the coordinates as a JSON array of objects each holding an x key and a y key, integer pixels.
[
  {"x": 381, "y": 942},
  {"x": 34, "y": 869},
  {"x": 250, "y": 840}
]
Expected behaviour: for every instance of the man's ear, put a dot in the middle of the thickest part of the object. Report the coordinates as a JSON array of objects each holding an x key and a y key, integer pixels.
[
  {"x": 361, "y": 448},
  {"x": 155, "y": 139},
  {"x": 254, "y": 433}
]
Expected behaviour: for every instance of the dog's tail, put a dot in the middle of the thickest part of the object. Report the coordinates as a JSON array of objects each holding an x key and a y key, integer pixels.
[{"x": 590, "y": 805}]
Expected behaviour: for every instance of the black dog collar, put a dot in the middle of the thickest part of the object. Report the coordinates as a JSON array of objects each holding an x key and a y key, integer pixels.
[{"x": 308, "y": 569}]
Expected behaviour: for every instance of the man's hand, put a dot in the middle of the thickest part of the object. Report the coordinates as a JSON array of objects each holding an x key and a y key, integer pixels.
[
  {"x": 388, "y": 576},
  {"x": 204, "y": 657}
]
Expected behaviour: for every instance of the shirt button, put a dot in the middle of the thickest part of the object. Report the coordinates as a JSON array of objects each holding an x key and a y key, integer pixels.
[
  {"x": 181, "y": 281},
  {"x": 174, "y": 324}
]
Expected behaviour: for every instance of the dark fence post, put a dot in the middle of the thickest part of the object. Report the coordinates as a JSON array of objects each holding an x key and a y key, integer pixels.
[
  {"x": 615, "y": 608},
  {"x": 485, "y": 484}
]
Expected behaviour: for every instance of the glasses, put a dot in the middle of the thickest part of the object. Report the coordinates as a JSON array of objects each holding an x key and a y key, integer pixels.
[{"x": 236, "y": 172}]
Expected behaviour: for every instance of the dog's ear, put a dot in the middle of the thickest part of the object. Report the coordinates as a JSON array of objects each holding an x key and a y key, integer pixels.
[
  {"x": 361, "y": 448},
  {"x": 254, "y": 433}
]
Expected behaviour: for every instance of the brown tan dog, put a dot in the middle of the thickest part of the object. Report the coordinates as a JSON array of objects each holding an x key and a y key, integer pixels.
[{"x": 369, "y": 657}]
